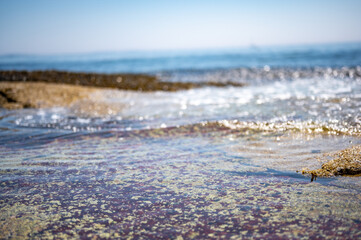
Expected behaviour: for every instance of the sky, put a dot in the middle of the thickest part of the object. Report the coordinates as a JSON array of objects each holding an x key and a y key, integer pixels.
[{"x": 68, "y": 26}]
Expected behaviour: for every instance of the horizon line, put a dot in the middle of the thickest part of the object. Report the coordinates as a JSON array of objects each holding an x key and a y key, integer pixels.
[{"x": 165, "y": 50}]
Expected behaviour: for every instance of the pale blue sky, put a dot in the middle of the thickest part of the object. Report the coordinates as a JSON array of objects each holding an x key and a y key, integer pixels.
[{"x": 69, "y": 26}]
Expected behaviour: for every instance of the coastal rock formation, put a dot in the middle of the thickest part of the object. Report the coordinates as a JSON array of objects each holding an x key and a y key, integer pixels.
[
  {"x": 37, "y": 89},
  {"x": 344, "y": 162},
  {"x": 15, "y": 95},
  {"x": 139, "y": 82},
  {"x": 81, "y": 100}
]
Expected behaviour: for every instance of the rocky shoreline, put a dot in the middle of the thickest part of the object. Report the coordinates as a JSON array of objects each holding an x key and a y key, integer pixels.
[
  {"x": 36, "y": 89},
  {"x": 17, "y": 95},
  {"x": 138, "y": 82},
  {"x": 346, "y": 162}
]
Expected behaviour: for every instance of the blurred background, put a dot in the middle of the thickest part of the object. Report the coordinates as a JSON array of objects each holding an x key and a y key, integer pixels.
[{"x": 52, "y": 27}]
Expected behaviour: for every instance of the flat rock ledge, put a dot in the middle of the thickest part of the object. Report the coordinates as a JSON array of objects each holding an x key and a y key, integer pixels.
[
  {"x": 38, "y": 89},
  {"x": 137, "y": 82},
  {"x": 17, "y": 95}
]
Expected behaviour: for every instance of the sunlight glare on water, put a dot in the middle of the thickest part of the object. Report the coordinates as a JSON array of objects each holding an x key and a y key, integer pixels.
[{"x": 207, "y": 163}]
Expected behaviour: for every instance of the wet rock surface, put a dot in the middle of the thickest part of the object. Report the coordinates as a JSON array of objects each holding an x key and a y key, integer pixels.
[
  {"x": 344, "y": 162},
  {"x": 121, "y": 81},
  {"x": 15, "y": 95},
  {"x": 25, "y": 89},
  {"x": 139, "y": 82}
]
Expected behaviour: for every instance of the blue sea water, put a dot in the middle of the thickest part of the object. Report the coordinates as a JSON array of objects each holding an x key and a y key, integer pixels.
[
  {"x": 284, "y": 83},
  {"x": 307, "y": 56},
  {"x": 204, "y": 163}
]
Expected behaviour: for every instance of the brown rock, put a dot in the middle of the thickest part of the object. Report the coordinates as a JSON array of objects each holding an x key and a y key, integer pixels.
[{"x": 344, "y": 162}]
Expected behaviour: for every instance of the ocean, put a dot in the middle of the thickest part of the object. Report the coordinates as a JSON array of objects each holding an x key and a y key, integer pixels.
[{"x": 207, "y": 163}]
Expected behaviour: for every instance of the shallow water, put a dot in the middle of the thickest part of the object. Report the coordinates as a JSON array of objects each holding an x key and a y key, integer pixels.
[
  {"x": 201, "y": 163},
  {"x": 191, "y": 181}
]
